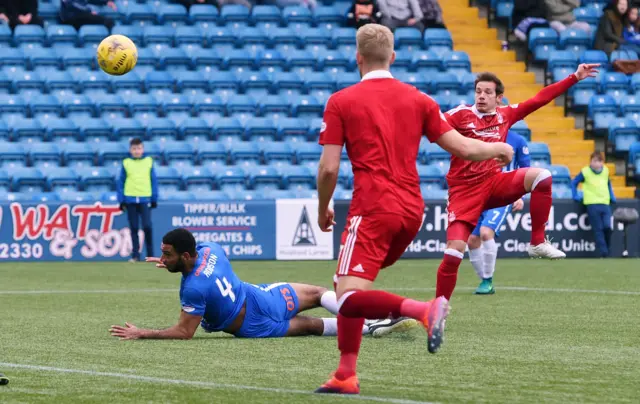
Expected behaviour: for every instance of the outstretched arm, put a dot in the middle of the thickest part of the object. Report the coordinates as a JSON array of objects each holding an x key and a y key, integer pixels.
[
  {"x": 185, "y": 329},
  {"x": 551, "y": 92}
]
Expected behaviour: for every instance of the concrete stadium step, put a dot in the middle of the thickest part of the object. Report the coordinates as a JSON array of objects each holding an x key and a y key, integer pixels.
[
  {"x": 493, "y": 55},
  {"x": 547, "y": 135},
  {"x": 624, "y": 192},
  {"x": 496, "y": 66},
  {"x": 558, "y": 125}
]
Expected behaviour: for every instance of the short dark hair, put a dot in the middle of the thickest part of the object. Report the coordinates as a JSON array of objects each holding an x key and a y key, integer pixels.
[
  {"x": 135, "y": 141},
  {"x": 182, "y": 241},
  {"x": 490, "y": 77},
  {"x": 597, "y": 156}
]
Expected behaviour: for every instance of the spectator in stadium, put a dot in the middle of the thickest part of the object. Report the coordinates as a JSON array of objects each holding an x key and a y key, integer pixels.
[
  {"x": 609, "y": 34},
  {"x": 528, "y": 14},
  {"x": 401, "y": 13},
  {"x": 432, "y": 14},
  {"x": 219, "y": 3},
  {"x": 138, "y": 194},
  {"x": 4, "y": 13},
  {"x": 560, "y": 15},
  {"x": 80, "y": 12},
  {"x": 284, "y": 3},
  {"x": 631, "y": 34},
  {"x": 363, "y": 12},
  {"x": 22, "y": 12},
  {"x": 597, "y": 195}
]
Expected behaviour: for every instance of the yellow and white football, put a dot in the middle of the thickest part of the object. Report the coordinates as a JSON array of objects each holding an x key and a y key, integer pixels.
[{"x": 117, "y": 55}]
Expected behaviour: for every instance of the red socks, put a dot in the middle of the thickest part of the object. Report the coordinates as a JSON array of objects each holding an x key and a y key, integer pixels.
[
  {"x": 540, "y": 207},
  {"x": 349, "y": 339},
  {"x": 448, "y": 273}
]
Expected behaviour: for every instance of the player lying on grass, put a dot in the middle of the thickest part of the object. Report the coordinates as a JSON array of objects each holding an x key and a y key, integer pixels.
[{"x": 213, "y": 296}]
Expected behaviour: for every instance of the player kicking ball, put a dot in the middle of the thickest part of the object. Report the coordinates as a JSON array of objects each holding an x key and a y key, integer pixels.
[
  {"x": 213, "y": 296},
  {"x": 483, "y": 250},
  {"x": 475, "y": 187},
  {"x": 381, "y": 122}
]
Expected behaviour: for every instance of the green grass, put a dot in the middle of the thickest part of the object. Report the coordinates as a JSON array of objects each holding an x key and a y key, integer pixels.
[{"x": 535, "y": 345}]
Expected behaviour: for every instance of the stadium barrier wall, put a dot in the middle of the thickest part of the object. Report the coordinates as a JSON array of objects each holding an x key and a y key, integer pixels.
[{"x": 260, "y": 230}]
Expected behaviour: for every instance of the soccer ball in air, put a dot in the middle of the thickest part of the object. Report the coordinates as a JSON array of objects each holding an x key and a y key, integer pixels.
[{"x": 117, "y": 55}]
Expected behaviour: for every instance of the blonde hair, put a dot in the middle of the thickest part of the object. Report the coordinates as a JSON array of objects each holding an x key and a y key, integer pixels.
[{"x": 375, "y": 44}]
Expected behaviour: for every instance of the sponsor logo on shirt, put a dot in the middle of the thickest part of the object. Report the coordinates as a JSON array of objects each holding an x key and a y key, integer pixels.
[
  {"x": 471, "y": 125},
  {"x": 323, "y": 126},
  {"x": 357, "y": 268},
  {"x": 525, "y": 150},
  {"x": 452, "y": 217}
]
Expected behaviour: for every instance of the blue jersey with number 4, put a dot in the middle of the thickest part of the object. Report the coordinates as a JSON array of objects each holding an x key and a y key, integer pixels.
[{"x": 212, "y": 290}]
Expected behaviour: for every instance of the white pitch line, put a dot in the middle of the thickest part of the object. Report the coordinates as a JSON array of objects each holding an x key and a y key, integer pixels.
[
  {"x": 505, "y": 288},
  {"x": 209, "y": 385}
]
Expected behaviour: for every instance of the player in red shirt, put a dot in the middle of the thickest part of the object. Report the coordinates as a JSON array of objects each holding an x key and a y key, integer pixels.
[
  {"x": 477, "y": 186},
  {"x": 381, "y": 121}
]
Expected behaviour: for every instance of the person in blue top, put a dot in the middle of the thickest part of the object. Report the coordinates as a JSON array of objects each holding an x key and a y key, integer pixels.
[
  {"x": 213, "y": 296},
  {"x": 483, "y": 250},
  {"x": 597, "y": 195}
]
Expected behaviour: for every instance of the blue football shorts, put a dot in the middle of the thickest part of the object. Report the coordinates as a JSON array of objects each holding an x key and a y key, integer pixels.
[{"x": 269, "y": 309}]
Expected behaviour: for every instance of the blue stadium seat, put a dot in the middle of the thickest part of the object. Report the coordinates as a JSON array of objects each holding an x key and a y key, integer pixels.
[
  {"x": 177, "y": 196},
  {"x": 126, "y": 128},
  {"x": 91, "y": 80},
  {"x": 431, "y": 174},
  {"x": 29, "y": 34},
  {"x": 328, "y": 15},
  {"x": 207, "y": 104},
  {"x": 77, "y": 57},
  {"x": 57, "y": 34},
  {"x": 174, "y": 59},
  {"x": 161, "y": 129},
  {"x": 246, "y": 195},
  {"x": 580, "y": 94},
  {"x": 172, "y": 14},
  {"x": 265, "y": 14},
  {"x": 27, "y": 179},
  {"x": 60, "y": 129},
  {"x": 296, "y": 177},
  {"x": 191, "y": 81},
  {"x": 623, "y": 55},
  {"x": 220, "y": 36},
  {"x": 262, "y": 177},
  {"x": 262, "y": 129},
  {"x": 178, "y": 153},
  {"x": 27, "y": 130},
  {"x": 234, "y": 13},
  {"x": 40, "y": 58},
  {"x": 5, "y": 35},
  {"x": 228, "y": 126},
  {"x": 278, "y": 194},
  {"x": 622, "y": 134},
  {"x": 614, "y": 84},
  {"x": 75, "y": 196},
  {"x": 318, "y": 81},
  {"x": 159, "y": 80},
  {"x": 133, "y": 32},
  {"x": 437, "y": 37},
  {"x": 558, "y": 59},
  {"x": 109, "y": 104},
  {"x": 5, "y": 181},
  {"x": 242, "y": 152},
  {"x": 575, "y": 37},
  {"x": 635, "y": 82},
  {"x": 326, "y": 59},
  {"x": 306, "y": 105},
  {"x": 62, "y": 179},
  {"x": 445, "y": 83},
  {"x": 111, "y": 153},
  {"x": 540, "y": 152},
  {"x": 307, "y": 151},
  {"x": 44, "y": 155},
  {"x": 280, "y": 152},
  {"x": 589, "y": 15},
  {"x": 416, "y": 79},
  {"x": 293, "y": 129},
  {"x": 274, "y": 104},
  {"x": 633, "y": 161},
  {"x": 522, "y": 129},
  {"x": 343, "y": 36},
  {"x": 44, "y": 197},
  {"x": 560, "y": 174},
  {"x": 249, "y": 36},
  {"x": 345, "y": 80},
  {"x": 15, "y": 58},
  {"x": 595, "y": 56},
  {"x": 253, "y": 83},
  {"x": 140, "y": 104},
  {"x": 408, "y": 36},
  {"x": 432, "y": 193},
  {"x": 211, "y": 152},
  {"x": 194, "y": 130},
  {"x": 315, "y": 36},
  {"x": 630, "y": 105},
  {"x": 189, "y": 35},
  {"x": 432, "y": 154},
  {"x": 92, "y": 34},
  {"x": 76, "y": 154},
  {"x": 231, "y": 178},
  {"x": 211, "y": 196},
  {"x": 542, "y": 36},
  {"x": 297, "y": 14},
  {"x": 203, "y": 13},
  {"x": 57, "y": 81},
  {"x": 12, "y": 155},
  {"x": 4, "y": 131},
  {"x": 158, "y": 35},
  {"x": 44, "y": 104},
  {"x": 504, "y": 11},
  {"x": 139, "y": 14},
  {"x": 286, "y": 81},
  {"x": 241, "y": 104},
  {"x": 11, "y": 104},
  {"x": 97, "y": 179},
  {"x": 601, "y": 110},
  {"x": 457, "y": 61},
  {"x": 93, "y": 129},
  {"x": 25, "y": 80}
]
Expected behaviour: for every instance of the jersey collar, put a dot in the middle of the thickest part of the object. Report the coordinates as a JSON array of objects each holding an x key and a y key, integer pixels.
[
  {"x": 482, "y": 114},
  {"x": 377, "y": 74}
]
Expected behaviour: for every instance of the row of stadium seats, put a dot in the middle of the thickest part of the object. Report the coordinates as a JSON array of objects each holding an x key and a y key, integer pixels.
[
  {"x": 150, "y": 127},
  {"x": 238, "y": 35},
  {"x": 224, "y": 57},
  {"x": 590, "y": 12},
  {"x": 174, "y": 14},
  {"x": 15, "y": 80}
]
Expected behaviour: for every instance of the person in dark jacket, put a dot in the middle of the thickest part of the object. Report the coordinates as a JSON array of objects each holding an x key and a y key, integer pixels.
[
  {"x": 79, "y": 13},
  {"x": 528, "y": 14},
  {"x": 22, "y": 12},
  {"x": 363, "y": 12},
  {"x": 631, "y": 33},
  {"x": 432, "y": 14},
  {"x": 609, "y": 34}
]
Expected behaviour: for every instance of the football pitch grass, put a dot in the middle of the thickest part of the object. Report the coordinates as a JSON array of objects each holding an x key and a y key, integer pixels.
[{"x": 561, "y": 331}]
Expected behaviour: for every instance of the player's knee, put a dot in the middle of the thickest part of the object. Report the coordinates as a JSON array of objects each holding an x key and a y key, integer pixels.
[
  {"x": 538, "y": 179},
  {"x": 487, "y": 234},
  {"x": 474, "y": 242},
  {"x": 457, "y": 245}
]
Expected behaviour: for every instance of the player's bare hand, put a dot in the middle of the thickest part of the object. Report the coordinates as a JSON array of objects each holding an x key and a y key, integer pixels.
[
  {"x": 156, "y": 261},
  {"x": 586, "y": 70},
  {"x": 504, "y": 153},
  {"x": 129, "y": 331},
  {"x": 518, "y": 205},
  {"x": 326, "y": 220}
]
